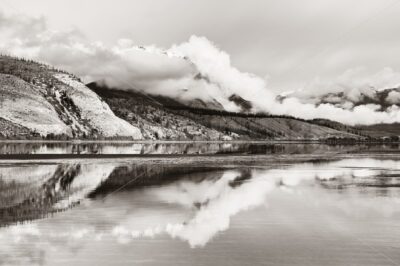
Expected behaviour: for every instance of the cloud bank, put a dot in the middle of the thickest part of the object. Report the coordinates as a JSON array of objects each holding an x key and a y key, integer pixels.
[{"x": 194, "y": 69}]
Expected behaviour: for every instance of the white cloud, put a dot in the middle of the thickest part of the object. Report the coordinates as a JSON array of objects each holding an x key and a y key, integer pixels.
[
  {"x": 393, "y": 97},
  {"x": 352, "y": 83}
]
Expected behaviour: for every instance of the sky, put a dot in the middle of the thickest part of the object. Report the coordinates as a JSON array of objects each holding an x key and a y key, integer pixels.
[{"x": 287, "y": 42}]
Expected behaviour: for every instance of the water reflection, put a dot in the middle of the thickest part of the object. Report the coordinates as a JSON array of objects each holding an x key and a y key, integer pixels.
[
  {"x": 217, "y": 198},
  {"x": 123, "y": 207},
  {"x": 186, "y": 148},
  {"x": 31, "y": 192}
]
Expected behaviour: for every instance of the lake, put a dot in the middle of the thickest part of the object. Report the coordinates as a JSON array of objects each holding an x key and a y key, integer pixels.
[
  {"x": 342, "y": 210},
  {"x": 185, "y": 148}
]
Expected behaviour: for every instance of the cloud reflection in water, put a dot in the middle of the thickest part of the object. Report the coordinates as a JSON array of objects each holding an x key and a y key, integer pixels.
[{"x": 196, "y": 211}]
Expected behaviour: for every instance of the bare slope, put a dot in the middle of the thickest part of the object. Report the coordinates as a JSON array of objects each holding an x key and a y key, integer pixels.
[
  {"x": 23, "y": 104},
  {"x": 55, "y": 104}
]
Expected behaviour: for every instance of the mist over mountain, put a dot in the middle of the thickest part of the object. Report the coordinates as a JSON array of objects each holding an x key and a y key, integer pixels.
[
  {"x": 380, "y": 91},
  {"x": 40, "y": 101},
  {"x": 382, "y": 100},
  {"x": 162, "y": 117},
  {"x": 196, "y": 70}
]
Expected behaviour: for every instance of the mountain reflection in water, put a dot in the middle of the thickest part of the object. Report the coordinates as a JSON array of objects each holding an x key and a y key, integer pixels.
[
  {"x": 50, "y": 212},
  {"x": 188, "y": 148}
]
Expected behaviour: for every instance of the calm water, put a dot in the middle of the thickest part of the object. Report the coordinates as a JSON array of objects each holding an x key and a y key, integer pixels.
[
  {"x": 343, "y": 212},
  {"x": 185, "y": 148}
]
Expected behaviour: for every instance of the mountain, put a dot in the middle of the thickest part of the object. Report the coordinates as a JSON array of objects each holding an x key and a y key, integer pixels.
[
  {"x": 195, "y": 103},
  {"x": 153, "y": 115},
  {"x": 161, "y": 117},
  {"x": 38, "y": 100},
  {"x": 348, "y": 98}
]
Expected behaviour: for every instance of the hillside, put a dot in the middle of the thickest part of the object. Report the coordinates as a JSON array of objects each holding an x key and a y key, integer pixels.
[
  {"x": 173, "y": 118},
  {"x": 382, "y": 130},
  {"x": 153, "y": 118},
  {"x": 40, "y": 100}
]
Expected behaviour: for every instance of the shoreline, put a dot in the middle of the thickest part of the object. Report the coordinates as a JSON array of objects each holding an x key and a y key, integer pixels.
[
  {"x": 158, "y": 141},
  {"x": 193, "y": 159},
  {"x": 192, "y": 142}
]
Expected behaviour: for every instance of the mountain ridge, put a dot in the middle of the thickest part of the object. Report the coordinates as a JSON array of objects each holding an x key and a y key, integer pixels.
[
  {"x": 129, "y": 104},
  {"x": 38, "y": 101}
]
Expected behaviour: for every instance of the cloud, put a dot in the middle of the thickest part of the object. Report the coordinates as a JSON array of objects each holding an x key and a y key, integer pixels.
[
  {"x": 393, "y": 97},
  {"x": 354, "y": 84},
  {"x": 123, "y": 65},
  {"x": 215, "y": 64},
  {"x": 174, "y": 72},
  {"x": 355, "y": 79}
]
